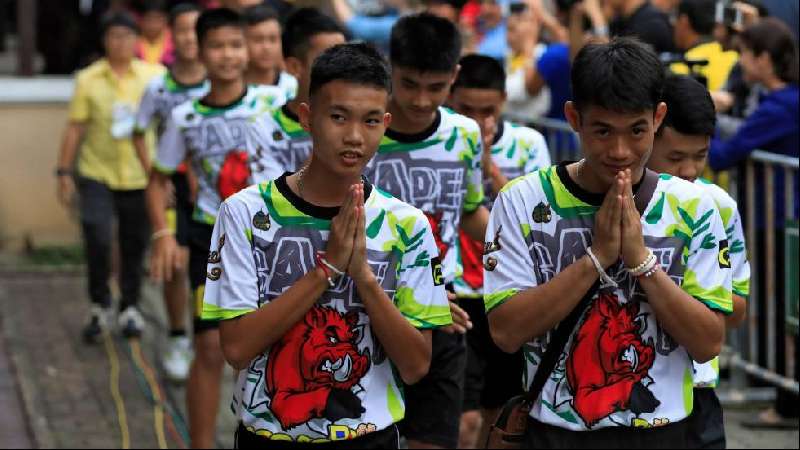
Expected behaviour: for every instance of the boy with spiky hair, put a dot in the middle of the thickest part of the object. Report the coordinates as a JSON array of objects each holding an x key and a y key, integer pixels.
[
  {"x": 185, "y": 80},
  {"x": 265, "y": 67},
  {"x": 608, "y": 274},
  {"x": 326, "y": 287},
  {"x": 509, "y": 151},
  {"x": 430, "y": 158},
  {"x": 218, "y": 135},
  {"x": 681, "y": 150}
]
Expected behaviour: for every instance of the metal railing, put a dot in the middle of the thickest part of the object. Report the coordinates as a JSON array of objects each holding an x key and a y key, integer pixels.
[{"x": 752, "y": 348}]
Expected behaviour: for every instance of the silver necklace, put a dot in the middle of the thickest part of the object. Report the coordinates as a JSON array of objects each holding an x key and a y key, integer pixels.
[{"x": 300, "y": 175}]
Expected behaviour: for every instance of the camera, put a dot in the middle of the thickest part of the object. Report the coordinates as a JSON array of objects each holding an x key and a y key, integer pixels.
[{"x": 728, "y": 15}]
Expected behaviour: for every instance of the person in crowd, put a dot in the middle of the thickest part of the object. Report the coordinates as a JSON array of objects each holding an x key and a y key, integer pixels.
[
  {"x": 597, "y": 245},
  {"x": 226, "y": 152},
  {"x": 681, "y": 150},
  {"x": 265, "y": 66},
  {"x": 509, "y": 151},
  {"x": 354, "y": 310},
  {"x": 430, "y": 158},
  {"x": 522, "y": 32},
  {"x": 155, "y": 44},
  {"x": 491, "y": 29},
  {"x": 693, "y": 30},
  {"x": 110, "y": 180},
  {"x": 641, "y": 19},
  {"x": 185, "y": 80}
]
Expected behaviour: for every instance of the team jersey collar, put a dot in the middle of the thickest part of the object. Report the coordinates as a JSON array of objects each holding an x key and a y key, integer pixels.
[
  {"x": 591, "y": 198},
  {"x": 416, "y": 137},
  {"x": 501, "y": 127},
  {"x": 206, "y": 108},
  {"x": 310, "y": 209},
  {"x": 173, "y": 85}
]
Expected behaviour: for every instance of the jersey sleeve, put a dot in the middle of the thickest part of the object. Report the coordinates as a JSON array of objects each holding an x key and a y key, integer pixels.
[
  {"x": 147, "y": 108},
  {"x": 171, "y": 148},
  {"x": 420, "y": 295},
  {"x": 270, "y": 155},
  {"x": 738, "y": 251},
  {"x": 231, "y": 288},
  {"x": 539, "y": 154},
  {"x": 474, "y": 175},
  {"x": 707, "y": 276},
  {"x": 508, "y": 265}
]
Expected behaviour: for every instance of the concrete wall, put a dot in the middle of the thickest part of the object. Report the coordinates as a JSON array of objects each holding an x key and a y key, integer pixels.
[{"x": 31, "y": 126}]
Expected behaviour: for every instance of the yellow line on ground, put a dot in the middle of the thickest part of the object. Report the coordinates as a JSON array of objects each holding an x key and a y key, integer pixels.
[{"x": 122, "y": 419}]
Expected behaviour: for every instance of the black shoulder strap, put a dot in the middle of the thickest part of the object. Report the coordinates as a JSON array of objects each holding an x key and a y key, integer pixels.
[{"x": 565, "y": 328}]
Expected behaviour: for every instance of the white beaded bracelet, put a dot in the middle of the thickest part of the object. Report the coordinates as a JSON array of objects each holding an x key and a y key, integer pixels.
[{"x": 646, "y": 265}]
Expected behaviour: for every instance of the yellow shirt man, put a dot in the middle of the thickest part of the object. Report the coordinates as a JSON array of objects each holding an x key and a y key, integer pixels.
[
  {"x": 720, "y": 63},
  {"x": 106, "y": 104}
]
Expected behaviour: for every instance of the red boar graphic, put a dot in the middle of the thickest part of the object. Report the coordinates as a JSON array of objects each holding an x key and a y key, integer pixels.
[
  {"x": 312, "y": 369},
  {"x": 607, "y": 361},
  {"x": 234, "y": 175}
]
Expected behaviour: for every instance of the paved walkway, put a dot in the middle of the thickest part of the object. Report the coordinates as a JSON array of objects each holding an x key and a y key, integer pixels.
[{"x": 56, "y": 392}]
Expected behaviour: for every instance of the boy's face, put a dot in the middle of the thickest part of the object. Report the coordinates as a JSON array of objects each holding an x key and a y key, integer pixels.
[
  {"x": 264, "y": 44},
  {"x": 153, "y": 24},
  {"x": 300, "y": 68},
  {"x": 481, "y": 105},
  {"x": 224, "y": 53},
  {"x": 184, "y": 36},
  {"x": 120, "y": 43},
  {"x": 346, "y": 122},
  {"x": 678, "y": 154},
  {"x": 418, "y": 95},
  {"x": 614, "y": 141}
]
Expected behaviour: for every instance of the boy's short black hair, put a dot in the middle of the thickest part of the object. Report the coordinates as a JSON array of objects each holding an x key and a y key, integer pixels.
[
  {"x": 148, "y": 6},
  {"x": 257, "y": 14},
  {"x": 301, "y": 26},
  {"x": 118, "y": 19},
  {"x": 181, "y": 9},
  {"x": 701, "y": 14},
  {"x": 623, "y": 75},
  {"x": 214, "y": 18},
  {"x": 425, "y": 43},
  {"x": 356, "y": 63},
  {"x": 458, "y": 5},
  {"x": 480, "y": 72},
  {"x": 690, "y": 110}
]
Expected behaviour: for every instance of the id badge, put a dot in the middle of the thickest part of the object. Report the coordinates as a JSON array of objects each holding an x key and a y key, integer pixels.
[{"x": 123, "y": 119}]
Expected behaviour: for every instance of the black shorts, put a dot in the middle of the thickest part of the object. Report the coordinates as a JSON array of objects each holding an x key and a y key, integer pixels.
[
  {"x": 433, "y": 405},
  {"x": 388, "y": 438},
  {"x": 183, "y": 208},
  {"x": 492, "y": 376},
  {"x": 674, "y": 435},
  {"x": 199, "y": 239},
  {"x": 707, "y": 428}
]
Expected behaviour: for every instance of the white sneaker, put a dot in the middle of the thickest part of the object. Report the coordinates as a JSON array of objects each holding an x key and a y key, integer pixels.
[
  {"x": 96, "y": 325},
  {"x": 178, "y": 358},
  {"x": 131, "y": 322}
]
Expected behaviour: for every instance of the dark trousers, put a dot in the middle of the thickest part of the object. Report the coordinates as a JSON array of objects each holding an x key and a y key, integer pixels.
[
  {"x": 674, "y": 435},
  {"x": 99, "y": 207}
]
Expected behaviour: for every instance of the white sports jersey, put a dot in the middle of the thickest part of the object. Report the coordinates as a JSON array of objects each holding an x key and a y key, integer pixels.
[
  {"x": 328, "y": 377},
  {"x": 227, "y": 150},
  {"x": 162, "y": 95},
  {"x": 437, "y": 171},
  {"x": 620, "y": 368},
  {"x": 517, "y": 151},
  {"x": 707, "y": 374}
]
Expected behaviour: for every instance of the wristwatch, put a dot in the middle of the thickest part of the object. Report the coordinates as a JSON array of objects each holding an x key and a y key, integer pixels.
[{"x": 59, "y": 172}]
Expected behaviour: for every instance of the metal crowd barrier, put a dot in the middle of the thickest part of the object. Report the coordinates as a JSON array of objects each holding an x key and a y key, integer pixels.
[{"x": 752, "y": 348}]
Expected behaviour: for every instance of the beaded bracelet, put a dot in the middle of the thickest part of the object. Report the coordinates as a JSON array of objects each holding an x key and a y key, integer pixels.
[{"x": 649, "y": 262}]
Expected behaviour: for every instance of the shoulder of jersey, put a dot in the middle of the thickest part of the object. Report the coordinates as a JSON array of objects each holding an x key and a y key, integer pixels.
[
  {"x": 680, "y": 188},
  {"x": 273, "y": 96},
  {"x": 526, "y": 185},
  {"x": 717, "y": 193},
  {"x": 451, "y": 118},
  {"x": 399, "y": 208},
  {"x": 186, "y": 114},
  {"x": 522, "y": 132},
  {"x": 157, "y": 84},
  {"x": 243, "y": 199}
]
